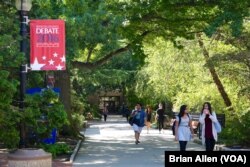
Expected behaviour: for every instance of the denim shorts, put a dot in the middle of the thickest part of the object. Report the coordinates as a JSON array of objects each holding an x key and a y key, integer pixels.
[{"x": 137, "y": 128}]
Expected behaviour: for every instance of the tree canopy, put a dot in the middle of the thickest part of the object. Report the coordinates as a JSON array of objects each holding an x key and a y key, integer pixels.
[{"x": 182, "y": 51}]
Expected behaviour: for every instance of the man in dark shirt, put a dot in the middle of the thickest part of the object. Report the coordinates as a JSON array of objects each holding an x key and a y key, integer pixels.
[{"x": 160, "y": 117}]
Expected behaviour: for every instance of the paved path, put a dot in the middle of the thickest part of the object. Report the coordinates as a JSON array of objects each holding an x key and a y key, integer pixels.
[{"x": 112, "y": 144}]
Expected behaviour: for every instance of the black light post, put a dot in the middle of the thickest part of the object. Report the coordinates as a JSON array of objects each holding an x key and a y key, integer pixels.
[{"x": 23, "y": 7}]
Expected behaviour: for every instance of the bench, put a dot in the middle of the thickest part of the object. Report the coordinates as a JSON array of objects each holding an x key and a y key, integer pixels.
[{"x": 196, "y": 125}]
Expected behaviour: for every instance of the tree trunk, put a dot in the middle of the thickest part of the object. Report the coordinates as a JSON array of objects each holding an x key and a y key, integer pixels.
[
  {"x": 63, "y": 82},
  {"x": 215, "y": 76}
]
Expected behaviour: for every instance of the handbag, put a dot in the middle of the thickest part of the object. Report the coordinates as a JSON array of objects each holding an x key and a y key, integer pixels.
[
  {"x": 131, "y": 121},
  {"x": 217, "y": 126}
]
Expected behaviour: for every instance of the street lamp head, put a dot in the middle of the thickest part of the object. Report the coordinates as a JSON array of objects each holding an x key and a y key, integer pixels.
[{"x": 23, "y": 5}]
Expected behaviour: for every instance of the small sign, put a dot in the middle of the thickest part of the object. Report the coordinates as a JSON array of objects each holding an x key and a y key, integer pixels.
[
  {"x": 33, "y": 91},
  {"x": 50, "y": 81}
]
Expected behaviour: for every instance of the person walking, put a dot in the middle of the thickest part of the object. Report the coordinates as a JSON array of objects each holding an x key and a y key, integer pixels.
[
  {"x": 149, "y": 116},
  {"x": 208, "y": 133},
  {"x": 105, "y": 112},
  {"x": 183, "y": 127},
  {"x": 138, "y": 121},
  {"x": 127, "y": 113},
  {"x": 160, "y": 117}
]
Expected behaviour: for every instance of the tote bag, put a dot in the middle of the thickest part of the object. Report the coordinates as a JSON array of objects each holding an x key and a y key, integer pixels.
[{"x": 217, "y": 126}]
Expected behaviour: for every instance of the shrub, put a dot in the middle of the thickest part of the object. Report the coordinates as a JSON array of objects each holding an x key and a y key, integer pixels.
[
  {"x": 44, "y": 112},
  {"x": 56, "y": 149},
  {"x": 237, "y": 131},
  {"x": 78, "y": 120}
]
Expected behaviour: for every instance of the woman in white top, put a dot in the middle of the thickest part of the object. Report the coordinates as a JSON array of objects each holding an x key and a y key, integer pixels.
[{"x": 183, "y": 127}]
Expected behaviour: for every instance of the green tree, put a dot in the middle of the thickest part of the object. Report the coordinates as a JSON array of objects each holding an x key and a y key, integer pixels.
[
  {"x": 98, "y": 31},
  {"x": 9, "y": 61}
]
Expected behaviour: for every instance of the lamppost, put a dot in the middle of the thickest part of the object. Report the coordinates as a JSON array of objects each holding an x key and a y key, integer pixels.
[{"x": 23, "y": 6}]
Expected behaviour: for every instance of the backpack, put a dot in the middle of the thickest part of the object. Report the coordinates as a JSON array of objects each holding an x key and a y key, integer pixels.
[
  {"x": 173, "y": 128},
  {"x": 131, "y": 121},
  {"x": 131, "y": 118}
]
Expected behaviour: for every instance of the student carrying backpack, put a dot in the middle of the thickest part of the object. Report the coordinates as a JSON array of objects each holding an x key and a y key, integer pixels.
[{"x": 184, "y": 128}]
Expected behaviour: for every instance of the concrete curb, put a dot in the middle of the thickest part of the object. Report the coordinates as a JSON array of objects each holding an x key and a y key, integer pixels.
[
  {"x": 73, "y": 155},
  {"x": 223, "y": 148}
]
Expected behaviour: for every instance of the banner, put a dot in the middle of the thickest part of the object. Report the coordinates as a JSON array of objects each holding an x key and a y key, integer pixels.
[{"x": 47, "y": 45}]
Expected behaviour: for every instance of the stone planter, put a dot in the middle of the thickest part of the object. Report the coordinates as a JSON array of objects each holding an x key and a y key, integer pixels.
[{"x": 30, "y": 158}]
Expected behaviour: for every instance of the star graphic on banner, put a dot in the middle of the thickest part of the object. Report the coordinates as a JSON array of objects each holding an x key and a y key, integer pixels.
[
  {"x": 59, "y": 67},
  {"x": 63, "y": 58},
  {"x": 51, "y": 62},
  {"x": 36, "y": 65},
  {"x": 55, "y": 54},
  {"x": 44, "y": 57}
]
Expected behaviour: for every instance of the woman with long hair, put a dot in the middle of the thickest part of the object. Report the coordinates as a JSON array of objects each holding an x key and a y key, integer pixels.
[
  {"x": 183, "y": 127},
  {"x": 149, "y": 116},
  {"x": 208, "y": 133}
]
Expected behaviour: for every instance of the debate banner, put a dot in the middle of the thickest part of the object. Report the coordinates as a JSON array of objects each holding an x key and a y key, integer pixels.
[{"x": 47, "y": 45}]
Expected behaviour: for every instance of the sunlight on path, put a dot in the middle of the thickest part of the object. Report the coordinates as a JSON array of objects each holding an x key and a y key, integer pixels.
[{"x": 112, "y": 144}]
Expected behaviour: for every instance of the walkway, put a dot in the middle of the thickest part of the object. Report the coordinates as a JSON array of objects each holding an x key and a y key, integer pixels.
[{"x": 111, "y": 144}]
